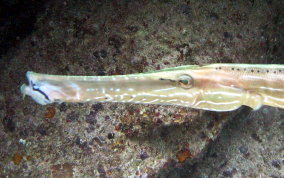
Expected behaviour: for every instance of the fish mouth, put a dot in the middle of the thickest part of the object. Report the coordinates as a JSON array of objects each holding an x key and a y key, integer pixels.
[
  {"x": 34, "y": 91},
  {"x": 136, "y": 88}
]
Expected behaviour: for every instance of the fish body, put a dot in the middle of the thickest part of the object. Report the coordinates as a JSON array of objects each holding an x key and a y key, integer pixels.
[{"x": 215, "y": 87}]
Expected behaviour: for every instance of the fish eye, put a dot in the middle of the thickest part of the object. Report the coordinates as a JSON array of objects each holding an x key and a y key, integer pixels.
[{"x": 185, "y": 81}]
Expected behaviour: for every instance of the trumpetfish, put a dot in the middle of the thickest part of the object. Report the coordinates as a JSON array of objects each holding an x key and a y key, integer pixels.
[{"x": 215, "y": 87}]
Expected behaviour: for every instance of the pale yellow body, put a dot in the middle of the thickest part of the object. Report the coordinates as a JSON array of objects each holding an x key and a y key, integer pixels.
[{"x": 216, "y": 87}]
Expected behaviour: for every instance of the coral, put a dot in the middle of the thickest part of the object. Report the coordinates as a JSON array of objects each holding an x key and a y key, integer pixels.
[
  {"x": 50, "y": 112},
  {"x": 183, "y": 155},
  {"x": 17, "y": 158}
]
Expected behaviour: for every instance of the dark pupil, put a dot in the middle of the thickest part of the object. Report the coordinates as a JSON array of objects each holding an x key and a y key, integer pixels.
[{"x": 185, "y": 82}]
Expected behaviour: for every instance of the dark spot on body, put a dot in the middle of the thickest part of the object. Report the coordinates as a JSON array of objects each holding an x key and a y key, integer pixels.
[
  {"x": 252, "y": 70},
  {"x": 233, "y": 68},
  {"x": 238, "y": 69},
  {"x": 220, "y": 68},
  {"x": 267, "y": 71},
  {"x": 258, "y": 71},
  {"x": 274, "y": 72}
]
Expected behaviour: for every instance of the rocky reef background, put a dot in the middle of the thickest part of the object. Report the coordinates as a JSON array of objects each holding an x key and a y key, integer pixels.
[{"x": 105, "y": 37}]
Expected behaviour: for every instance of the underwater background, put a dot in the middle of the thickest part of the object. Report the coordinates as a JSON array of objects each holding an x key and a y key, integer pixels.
[{"x": 112, "y": 37}]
